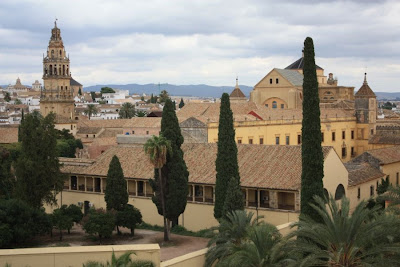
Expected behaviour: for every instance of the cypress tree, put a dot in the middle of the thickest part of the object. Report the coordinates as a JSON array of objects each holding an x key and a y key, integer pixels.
[
  {"x": 175, "y": 173},
  {"x": 311, "y": 150},
  {"x": 37, "y": 168},
  {"x": 226, "y": 163},
  {"x": 181, "y": 104},
  {"x": 116, "y": 195},
  {"x": 79, "y": 91},
  {"x": 234, "y": 197}
]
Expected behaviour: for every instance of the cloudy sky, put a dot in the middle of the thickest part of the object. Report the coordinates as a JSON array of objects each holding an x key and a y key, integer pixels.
[{"x": 202, "y": 41}]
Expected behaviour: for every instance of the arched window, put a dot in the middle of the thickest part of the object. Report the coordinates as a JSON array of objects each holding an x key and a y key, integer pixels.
[
  {"x": 60, "y": 52},
  {"x": 51, "y": 69},
  {"x": 274, "y": 104},
  {"x": 63, "y": 69},
  {"x": 339, "y": 192}
]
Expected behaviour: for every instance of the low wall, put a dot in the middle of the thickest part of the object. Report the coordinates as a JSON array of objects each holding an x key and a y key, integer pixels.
[
  {"x": 194, "y": 259},
  {"x": 75, "y": 256}
]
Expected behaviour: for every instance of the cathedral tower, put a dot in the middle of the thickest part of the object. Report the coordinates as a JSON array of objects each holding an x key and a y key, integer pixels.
[{"x": 57, "y": 94}]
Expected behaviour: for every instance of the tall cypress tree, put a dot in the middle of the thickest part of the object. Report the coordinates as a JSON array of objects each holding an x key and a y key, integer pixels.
[
  {"x": 234, "y": 197},
  {"x": 37, "y": 168},
  {"x": 311, "y": 150},
  {"x": 175, "y": 173},
  {"x": 226, "y": 163},
  {"x": 116, "y": 195},
  {"x": 181, "y": 104}
]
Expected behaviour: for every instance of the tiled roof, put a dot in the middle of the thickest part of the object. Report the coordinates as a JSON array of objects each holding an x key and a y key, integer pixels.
[
  {"x": 385, "y": 138},
  {"x": 145, "y": 122},
  {"x": 104, "y": 141},
  {"x": 261, "y": 166},
  {"x": 297, "y": 114},
  {"x": 119, "y": 123},
  {"x": 386, "y": 155},
  {"x": 293, "y": 76},
  {"x": 299, "y": 64},
  {"x": 89, "y": 130},
  {"x": 74, "y": 82},
  {"x": 361, "y": 172},
  {"x": 365, "y": 91},
  {"x": 8, "y": 135},
  {"x": 237, "y": 93}
]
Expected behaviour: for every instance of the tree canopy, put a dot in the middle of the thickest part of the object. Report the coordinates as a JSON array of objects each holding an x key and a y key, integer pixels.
[
  {"x": 311, "y": 150},
  {"x": 226, "y": 163},
  {"x": 163, "y": 96},
  {"x": 106, "y": 90},
  {"x": 127, "y": 111},
  {"x": 116, "y": 195},
  {"x": 37, "y": 168},
  {"x": 90, "y": 110}
]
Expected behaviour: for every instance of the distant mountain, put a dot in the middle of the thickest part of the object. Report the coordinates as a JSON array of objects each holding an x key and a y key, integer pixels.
[
  {"x": 201, "y": 90},
  {"x": 388, "y": 96}
]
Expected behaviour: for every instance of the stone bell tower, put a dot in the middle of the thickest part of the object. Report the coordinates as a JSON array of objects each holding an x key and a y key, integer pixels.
[{"x": 57, "y": 94}]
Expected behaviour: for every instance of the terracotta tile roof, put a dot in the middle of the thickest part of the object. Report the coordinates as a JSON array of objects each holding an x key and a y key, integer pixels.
[
  {"x": 104, "y": 141},
  {"x": 237, "y": 93},
  {"x": 262, "y": 166},
  {"x": 89, "y": 130},
  {"x": 119, "y": 123},
  {"x": 144, "y": 122},
  {"x": 8, "y": 135},
  {"x": 386, "y": 155},
  {"x": 365, "y": 91},
  {"x": 110, "y": 133},
  {"x": 385, "y": 138},
  {"x": 361, "y": 172}
]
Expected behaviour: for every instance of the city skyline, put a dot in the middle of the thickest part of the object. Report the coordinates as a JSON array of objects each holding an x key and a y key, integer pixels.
[{"x": 183, "y": 42}]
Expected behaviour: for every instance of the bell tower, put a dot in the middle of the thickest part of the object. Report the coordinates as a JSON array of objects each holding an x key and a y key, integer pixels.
[{"x": 57, "y": 94}]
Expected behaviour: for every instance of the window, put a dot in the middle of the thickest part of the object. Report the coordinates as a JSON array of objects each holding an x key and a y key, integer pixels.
[
  {"x": 274, "y": 104},
  {"x": 333, "y": 136},
  {"x": 343, "y": 135},
  {"x": 282, "y": 106},
  {"x": 299, "y": 139},
  {"x": 344, "y": 152},
  {"x": 133, "y": 132},
  {"x": 239, "y": 140},
  {"x": 340, "y": 192},
  {"x": 277, "y": 140},
  {"x": 261, "y": 141},
  {"x": 287, "y": 140},
  {"x": 147, "y": 132},
  {"x": 250, "y": 141},
  {"x": 371, "y": 190},
  {"x": 277, "y": 80},
  {"x": 352, "y": 134},
  {"x": 266, "y": 105},
  {"x": 352, "y": 151},
  {"x": 270, "y": 81},
  {"x": 372, "y": 131},
  {"x": 322, "y": 137}
]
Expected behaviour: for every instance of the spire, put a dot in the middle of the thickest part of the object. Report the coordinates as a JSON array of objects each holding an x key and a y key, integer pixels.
[
  {"x": 55, "y": 23},
  {"x": 365, "y": 78},
  {"x": 237, "y": 82}
]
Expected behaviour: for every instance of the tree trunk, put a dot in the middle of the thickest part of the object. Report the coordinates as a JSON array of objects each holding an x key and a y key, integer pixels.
[{"x": 166, "y": 234}]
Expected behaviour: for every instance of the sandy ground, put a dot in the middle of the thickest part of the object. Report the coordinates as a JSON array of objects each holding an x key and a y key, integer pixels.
[{"x": 179, "y": 245}]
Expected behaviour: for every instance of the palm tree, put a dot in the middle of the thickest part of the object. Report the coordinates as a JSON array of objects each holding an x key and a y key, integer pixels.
[
  {"x": 393, "y": 196},
  {"x": 91, "y": 110},
  {"x": 127, "y": 111},
  {"x": 122, "y": 261},
  {"x": 263, "y": 247},
  {"x": 367, "y": 237},
  {"x": 232, "y": 230},
  {"x": 157, "y": 148}
]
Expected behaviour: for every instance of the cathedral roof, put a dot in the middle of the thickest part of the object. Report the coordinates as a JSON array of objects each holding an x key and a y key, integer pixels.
[
  {"x": 237, "y": 92},
  {"x": 294, "y": 77},
  {"x": 299, "y": 65},
  {"x": 365, "y": 91}
]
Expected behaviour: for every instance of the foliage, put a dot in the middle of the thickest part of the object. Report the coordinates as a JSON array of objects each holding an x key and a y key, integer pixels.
[
  {"x": 20, "y": 222},
  {"x": 366, "y": 237},
  {"x": 90, "y": 110},
  {"x": 122, "y": 261},
  {"x": 175, "y": 170},
  {"x": 226, "y": 163},
  {"x": 141, "y": 113},
  {"x": 233, "y": 231},
  {"x": 99, "y": 222},
  {"x": 163, "y": 96},
  {"x": 388, "y": 105},
  {"x": 178, "y": 229},
  {"x": 37, "y": 168},
  {"x": 157, "y": 148},
  {"x": 67, "y": 144},
  {"x": 116, "y": 195},
  {"x": 153, "y": 99},
  {"x": 61, "y": 220},
  {"x": 383, "y": 186},
  {"x": 311, "y": 150},
  {"x": 93, "y": 95},
  {"x": 181, "y": 104},
  {"x": 129, "y": 217},
  {"x": 7, "y": 97},
  {"x": 234, "y": 197},
  {"x": 17, "y": 102},
  {"x": 106, "y": 90},
  {"x": 127, "y": 111},
  {"x": 7, "y": 181}
]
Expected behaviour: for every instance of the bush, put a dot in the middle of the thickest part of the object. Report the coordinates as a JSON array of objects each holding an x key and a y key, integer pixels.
[{"x": 99, "y": 222}]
